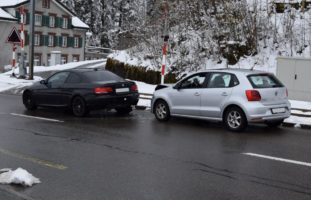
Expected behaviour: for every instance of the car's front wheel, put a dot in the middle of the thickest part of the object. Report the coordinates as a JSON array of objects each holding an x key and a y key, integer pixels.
[
  {"x": 29, "y": 101},
  {"x": 162, "y": 111},
  {"x": 235, "y": 119},
  {"x": 79, "y": 107}
]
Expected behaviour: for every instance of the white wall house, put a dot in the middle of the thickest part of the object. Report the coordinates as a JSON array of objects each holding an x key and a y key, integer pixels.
[{"x": 56, "y": 29}]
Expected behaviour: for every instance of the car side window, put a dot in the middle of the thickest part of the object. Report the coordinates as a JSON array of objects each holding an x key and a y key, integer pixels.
[
  {"x": 220, "y": 80},
  {"x": 74, "y": 78},
  {"x": 196, "y": 81},
  {"x": 58, "y": 79}
]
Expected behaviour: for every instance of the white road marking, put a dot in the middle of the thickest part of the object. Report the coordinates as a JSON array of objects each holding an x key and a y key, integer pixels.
[
  {"x": 39, "y": 118},
  {"x": 278, "y": 159}
]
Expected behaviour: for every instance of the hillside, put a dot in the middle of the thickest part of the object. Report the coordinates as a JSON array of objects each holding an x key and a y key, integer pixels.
[{"x": 203, "y": 34}]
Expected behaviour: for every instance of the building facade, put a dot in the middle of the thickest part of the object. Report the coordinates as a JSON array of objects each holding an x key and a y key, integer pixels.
[{"x": 56, "y": 29}]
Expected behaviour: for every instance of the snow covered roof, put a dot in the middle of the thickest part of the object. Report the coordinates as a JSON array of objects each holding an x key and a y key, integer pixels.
[
  {"x": 11, "y": 3},
  {"x": 6, "y": 16},
  {"x": 77, "y": 23}
]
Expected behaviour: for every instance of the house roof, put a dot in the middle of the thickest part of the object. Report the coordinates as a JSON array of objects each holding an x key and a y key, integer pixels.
[
  {"x": 6, "y": 16},
  {"x": 76, "y": 22},
  {"x": 12, "y": 3}
]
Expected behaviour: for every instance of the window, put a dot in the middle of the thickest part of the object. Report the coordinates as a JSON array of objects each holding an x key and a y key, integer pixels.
[
  {"x": 38, "y": 20},
  {"x": 51, "y": 40},
  {"x": 65, "y": 23},
  {"x": 52, "y": 21},
  {"x": 222, "y": 80},
  {"x": 45, "y": 3},
  {"x": 64, "y": 59},
  {"x": 196, "y": 81},
  {"x": 64, "y": 44},
  {"x": 76, "y": 42},
  {"x": 74, "y": 78},
  {"x": 264, "y": 81},
  {"x": 49, "y": 60},
  {"x": 102, "y": 76},
  {"x": 58, "y": 79},
  {"x": 23, "y": 18},
  {"x": 37, "y": 60},
  {"x": 37, "y": 40},
  {"x": 75, "y": 58}
]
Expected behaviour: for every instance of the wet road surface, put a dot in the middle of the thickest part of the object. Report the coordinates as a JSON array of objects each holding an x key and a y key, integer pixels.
[{"x": 106, "y": 156}]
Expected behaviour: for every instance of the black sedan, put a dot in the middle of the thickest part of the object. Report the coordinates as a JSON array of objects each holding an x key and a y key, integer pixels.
[{"x": 82, "y": 90}]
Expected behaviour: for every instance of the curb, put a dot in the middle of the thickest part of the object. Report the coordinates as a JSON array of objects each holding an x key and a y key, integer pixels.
[{"x": 292, "y": 125}]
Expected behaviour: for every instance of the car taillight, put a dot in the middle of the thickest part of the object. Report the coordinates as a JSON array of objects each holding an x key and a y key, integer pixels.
[
  {"x": 286, "y": 92},
  {"x": 253, "y": 95},
  {"x": 103, "y": 90},
  {"x": 134, "y": 88}
]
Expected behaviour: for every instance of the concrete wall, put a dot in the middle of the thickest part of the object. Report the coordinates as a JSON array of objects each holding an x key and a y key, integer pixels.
[
  {"x": 295, "y": 73},
  {"x": 5, "y": 48}
]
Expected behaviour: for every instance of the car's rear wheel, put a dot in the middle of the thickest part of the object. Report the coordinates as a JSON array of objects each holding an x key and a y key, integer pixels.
[
  {"x": 124, "y": 110},
  {"x": 29, "y": 101},
  {"x": 79, "y": 107},
  {"x": 274, "y": 124},
  {"x": 162, "y": 111},
  {"x": 235, "y": 119}
]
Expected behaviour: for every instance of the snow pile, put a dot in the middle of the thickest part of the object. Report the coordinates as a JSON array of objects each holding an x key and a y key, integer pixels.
[
  {"x": 7, "y": 82},
  {"x": 18, "y": 176}
]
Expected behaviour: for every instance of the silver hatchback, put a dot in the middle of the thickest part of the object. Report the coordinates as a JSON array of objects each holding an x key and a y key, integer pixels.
[{"x": 234, "y": 96}]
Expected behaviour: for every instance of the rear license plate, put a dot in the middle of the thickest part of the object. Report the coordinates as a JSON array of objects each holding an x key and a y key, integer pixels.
[
  {"x": 121, "y": 90},
  {"x": 278, "y": 110}
]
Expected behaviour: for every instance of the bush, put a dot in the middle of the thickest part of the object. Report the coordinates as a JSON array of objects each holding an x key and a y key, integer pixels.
[{"x": 138, "y": 73}]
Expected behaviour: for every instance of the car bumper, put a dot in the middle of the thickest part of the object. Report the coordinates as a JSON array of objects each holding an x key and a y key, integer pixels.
[
  {"x": 260, "y": 113},
  {"x": 109, "y": 101}
]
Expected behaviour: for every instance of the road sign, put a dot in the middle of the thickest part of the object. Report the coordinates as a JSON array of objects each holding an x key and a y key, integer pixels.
[{"x": 14, "y": 37}]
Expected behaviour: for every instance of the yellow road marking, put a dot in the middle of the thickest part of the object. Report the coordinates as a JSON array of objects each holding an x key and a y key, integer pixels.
[{"x": 34, "y": 160}]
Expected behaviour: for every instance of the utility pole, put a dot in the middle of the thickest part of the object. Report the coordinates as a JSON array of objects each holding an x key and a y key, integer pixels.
[
  {"x": 22, "y": 67},
  {"x": 31, "y": 38},
  {"x": 165, "y": 44}
]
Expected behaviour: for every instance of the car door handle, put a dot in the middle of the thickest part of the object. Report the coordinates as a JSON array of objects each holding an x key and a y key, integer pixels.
[
  {"x": 197, "y": 94},
  {"x": 224, "y": 94}
]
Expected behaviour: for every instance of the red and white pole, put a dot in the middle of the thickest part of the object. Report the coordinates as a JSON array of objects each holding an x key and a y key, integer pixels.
[
  {"x": 164, "y": 53},
  {"x": 165, "y": 44},
  {"x": 13, "y": 60}
]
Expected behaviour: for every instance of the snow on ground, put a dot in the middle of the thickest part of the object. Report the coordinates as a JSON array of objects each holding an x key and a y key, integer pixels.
[
  {"x": 18, "y": 176},
  {"x": 7, "y": 82}
]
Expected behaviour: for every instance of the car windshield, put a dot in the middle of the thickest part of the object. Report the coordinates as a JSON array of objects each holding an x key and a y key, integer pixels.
[
  {"x": 264, "y": 81},
  {"x": 102, "y": 76}
]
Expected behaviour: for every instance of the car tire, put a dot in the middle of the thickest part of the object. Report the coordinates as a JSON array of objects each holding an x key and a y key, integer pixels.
[
  {"x": 28, "y": 101},
  {"x": 235, "y": 119},
  {"x": 124, "y": 110},
  {"x": 274, "y": 124},
  {"x": 162, "y": 111},
  {"x": 78, "y": 107}
]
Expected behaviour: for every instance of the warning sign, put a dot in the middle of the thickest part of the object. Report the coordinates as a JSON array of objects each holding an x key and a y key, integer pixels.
[{"x": 14, "y": 37}]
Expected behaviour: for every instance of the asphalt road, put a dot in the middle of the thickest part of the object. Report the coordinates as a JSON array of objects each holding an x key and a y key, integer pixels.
[{"x": 106, "y": 156}]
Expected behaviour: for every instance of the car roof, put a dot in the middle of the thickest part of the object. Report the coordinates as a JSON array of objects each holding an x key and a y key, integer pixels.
[{"x": 237, "y": 71}]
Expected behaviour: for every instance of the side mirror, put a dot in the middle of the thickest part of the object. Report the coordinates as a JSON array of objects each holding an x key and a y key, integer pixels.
[
  {"x": 177, "y": 87},
  {"x": 43, "y": 82}
]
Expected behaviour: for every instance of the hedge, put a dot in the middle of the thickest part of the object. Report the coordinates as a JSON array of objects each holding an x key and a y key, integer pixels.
[{"x": 138, "y": 73}]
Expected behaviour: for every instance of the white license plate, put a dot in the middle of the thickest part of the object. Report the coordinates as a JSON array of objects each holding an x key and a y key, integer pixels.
[
  {"x": 278, "y": 110},
  {"x": 120, "y": 90}
]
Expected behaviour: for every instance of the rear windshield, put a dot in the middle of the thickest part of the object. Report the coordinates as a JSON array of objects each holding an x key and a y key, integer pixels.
[
  {"x": 264, "y": 81},
  {"x": 102, "y": 76}
]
